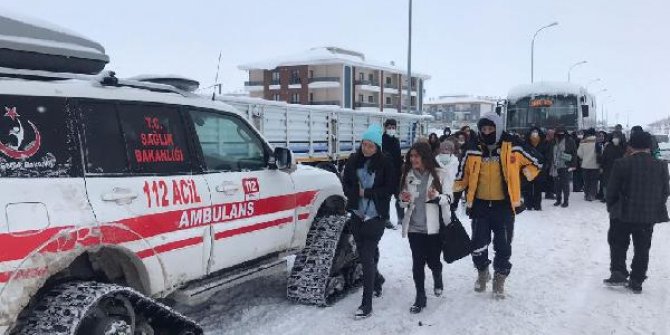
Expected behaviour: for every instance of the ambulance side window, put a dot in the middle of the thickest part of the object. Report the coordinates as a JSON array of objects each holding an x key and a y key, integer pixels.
[
  {"x": 155, "y": 139},
  {"x": 104, "y": 149},
  {"x": 228, "y": 143},
  {"x": 36, "y": 137}
]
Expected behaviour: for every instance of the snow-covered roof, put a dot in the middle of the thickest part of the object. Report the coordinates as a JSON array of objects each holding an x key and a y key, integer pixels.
[
  {"x": 327, "y": 55},
  {"x": 545, "y": 88},
  {"x": 460, "y": 99}
]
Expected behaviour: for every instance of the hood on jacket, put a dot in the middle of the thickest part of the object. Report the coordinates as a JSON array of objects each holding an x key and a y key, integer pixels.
[{"x": 497, "y": 120}]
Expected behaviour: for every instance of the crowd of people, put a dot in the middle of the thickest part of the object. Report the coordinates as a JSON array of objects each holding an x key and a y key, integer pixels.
[{"x": 497, "y": 175}]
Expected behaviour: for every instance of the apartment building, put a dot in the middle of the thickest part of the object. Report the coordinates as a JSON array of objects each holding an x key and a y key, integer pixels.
[
  {"x": 335, "y": 76},
  {"x": 459, "y": 110}
]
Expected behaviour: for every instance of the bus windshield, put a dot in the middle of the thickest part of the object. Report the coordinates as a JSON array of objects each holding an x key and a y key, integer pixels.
[{"x": 542, "y": 111}]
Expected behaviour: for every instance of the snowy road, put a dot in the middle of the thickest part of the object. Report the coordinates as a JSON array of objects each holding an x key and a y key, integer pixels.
[{"x": 560, "y": 257}]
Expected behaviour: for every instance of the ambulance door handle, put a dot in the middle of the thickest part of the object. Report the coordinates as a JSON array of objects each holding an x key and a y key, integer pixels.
[
  {"x": 228, "y": 188},
  {"x": 121, "y": 196}
]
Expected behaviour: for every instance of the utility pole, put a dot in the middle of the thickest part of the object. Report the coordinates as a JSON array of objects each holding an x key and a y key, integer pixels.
[{"x": 409, "y": 62}]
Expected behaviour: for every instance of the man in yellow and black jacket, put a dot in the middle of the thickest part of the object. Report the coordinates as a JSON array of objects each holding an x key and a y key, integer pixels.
[{"x": 490, "y": 172}]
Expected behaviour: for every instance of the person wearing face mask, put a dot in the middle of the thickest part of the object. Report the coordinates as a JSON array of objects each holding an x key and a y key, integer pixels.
[
  {"x": 448, "y": 161},
  {"x": 391, "y": 146},
  {"x": 613, "y": 151},
  {"x": 368, "y": 182},
  {"x": 590, "y": 167},
  {"x": 533, "y": 190},
  {"x": 562, "y": 163},
  {"x": 461, "y": 139},
  {"x": 446, "y": 133},
  {"x": 491, "y": 171}
]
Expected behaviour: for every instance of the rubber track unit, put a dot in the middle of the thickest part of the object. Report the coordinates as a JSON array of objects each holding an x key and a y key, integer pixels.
[
  {"x": 313, "y": 266},
  {"x": 61, "y": 310}
]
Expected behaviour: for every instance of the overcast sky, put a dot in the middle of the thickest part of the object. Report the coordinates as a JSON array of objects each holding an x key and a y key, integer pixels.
[{"x": 479, "y": 47}]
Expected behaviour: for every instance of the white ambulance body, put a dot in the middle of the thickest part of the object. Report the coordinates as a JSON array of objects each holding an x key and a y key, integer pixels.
[{"x": 153, "y": 190}]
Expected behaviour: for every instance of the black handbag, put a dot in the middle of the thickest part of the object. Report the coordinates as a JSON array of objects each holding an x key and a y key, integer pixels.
[{"x": 454, "y": 240}]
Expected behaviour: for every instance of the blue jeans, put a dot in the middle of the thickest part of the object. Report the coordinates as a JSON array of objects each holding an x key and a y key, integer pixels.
[{"x": 497, "y": 218}]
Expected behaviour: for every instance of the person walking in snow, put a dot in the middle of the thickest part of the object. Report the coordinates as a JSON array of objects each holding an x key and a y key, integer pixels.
[
  {"x": 613, "y": 151},
  {"x": 590, "y": 168},
  {"x": 491, "y": 171},
  {"x": 369, "y": 182},
  {"x": 549, "y": 180},
  {"x": 637, "y": 193},
  {"x": 449, "y": 160},
  {"x": 391, "y": 146},
  {"x": 602, "y": 140},
  {"x": 533, "y": 189},
  {"x": 577, "y": 176},
  {"x": 426, "y": 193},
  {"x": 562, "y": 162}
]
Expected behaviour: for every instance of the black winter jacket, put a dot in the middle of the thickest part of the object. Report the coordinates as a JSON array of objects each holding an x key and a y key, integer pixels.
[
  {"x": 638, "y": 190},
  {"x": 391, "y": 147},
  {"x": 384, "y": 184},
  {"x": 610, "y": 154}
]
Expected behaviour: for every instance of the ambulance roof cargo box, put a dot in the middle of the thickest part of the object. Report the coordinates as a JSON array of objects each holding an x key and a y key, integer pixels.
[{"x": 33, "y": 45}]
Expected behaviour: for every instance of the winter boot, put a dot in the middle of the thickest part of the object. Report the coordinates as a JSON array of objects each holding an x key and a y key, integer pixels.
[
  {"x": 565, "y": 204},
  {"x": 635, "y": 286},
  {"x": 363, "y": 312},
  {"x": 419, "y": 304},
  {"x": 482, "y": 278},
  {"x": 438, "y": 286},
  {"x": 379, "y": 282},
  {"x": 390, "y": 225},
  {"x": 557, "y": 203},
  {"x": 499, "y": 286},
  {"x": 616, "y": 279}
]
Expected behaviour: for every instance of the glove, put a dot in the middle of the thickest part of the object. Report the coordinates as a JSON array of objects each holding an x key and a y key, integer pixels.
[{"x": 468, "y": 212}]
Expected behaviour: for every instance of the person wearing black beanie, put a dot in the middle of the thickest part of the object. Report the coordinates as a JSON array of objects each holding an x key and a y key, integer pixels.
[{"x": 636, "y": 193}]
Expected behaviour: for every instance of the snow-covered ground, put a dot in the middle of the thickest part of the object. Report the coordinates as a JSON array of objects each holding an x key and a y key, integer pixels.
[{"x": 560, "y": 257}]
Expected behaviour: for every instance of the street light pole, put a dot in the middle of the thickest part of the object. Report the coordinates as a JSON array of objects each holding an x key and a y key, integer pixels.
[
  {"x": 409, "y": 62},
  {"x": 573, "y": 66},
  {"x": 532, "y": 50},
  {"x": 592, "y": 82}
]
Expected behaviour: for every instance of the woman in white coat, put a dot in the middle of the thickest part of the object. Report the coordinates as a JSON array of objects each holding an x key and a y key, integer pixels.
[{"x": 425, "y": 194}]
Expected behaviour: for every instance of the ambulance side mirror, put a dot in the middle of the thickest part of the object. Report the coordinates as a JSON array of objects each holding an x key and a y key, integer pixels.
[{"x": 283, "y": 159}]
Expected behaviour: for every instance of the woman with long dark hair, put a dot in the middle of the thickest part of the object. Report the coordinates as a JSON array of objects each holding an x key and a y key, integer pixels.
[
  {"x": 434, "y": 142},
  {"x": 369, "y": 181},
  {"x": 426, "y": 195}
]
